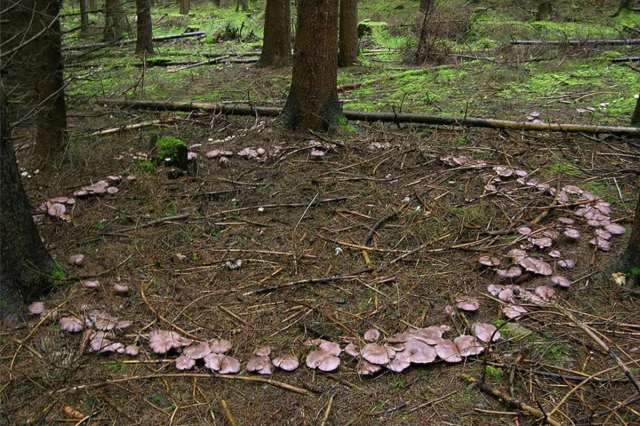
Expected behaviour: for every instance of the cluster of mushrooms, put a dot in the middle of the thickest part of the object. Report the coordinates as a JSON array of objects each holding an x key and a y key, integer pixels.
[{"x": 249, "y": 153}]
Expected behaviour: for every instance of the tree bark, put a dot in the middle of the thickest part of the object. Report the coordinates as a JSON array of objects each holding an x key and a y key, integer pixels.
[
  {"x": 93, "y": 5},
  {"x": 113, "y": 21},
  {"x": 635, "y": 118},
  {"x": 84, "y": 16},
  {"x": 25, "y": 264},
  {"x": 276, "y": 45},
  {"x": 544, "y": 10},
  {"x": 144, "y": 39},
  {"x": 348, "y": 52},
  {"x": 631, "y": 257},
  {"x": 313, "y": 98},
  {"x": 185, "y": 5},
  {"x": 426, "y": 8},
  {"x": 624, "y": 5},
  {"x": 242, "y": 4}
]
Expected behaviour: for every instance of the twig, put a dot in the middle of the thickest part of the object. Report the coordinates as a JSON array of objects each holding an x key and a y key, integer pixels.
[
  {"x": 132, "y": 127},
  {"x": 155, "y": 222},
  {"x": 276, "y": 206},
  {"x": 525, "y": 408},
  {"x": 227, "y": 413},
  {"x": 321, "y": 280},
  {"x": 160, "y": 317},
  {"x": 327, "y": 411}
]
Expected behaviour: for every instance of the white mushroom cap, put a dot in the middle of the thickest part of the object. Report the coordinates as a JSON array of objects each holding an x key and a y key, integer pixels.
[
  {"x": 448, "y": 351},
  {"x": 197, "y": 350},
  {"x": 486, "y": 332},
  {"x": 70, "y": 324},
  {"x": 220, "y": 346},
  {"x": 376, "y": 354},
  {"x": 229, "y": 365},
  {"x": 322, "y": 360},
  {"x": 260, "y": 364},
  {"x": 36, "y": 308},
  {"x": 183, "y": 362},
  {"x": 286, "y": 362},
  {"x": 372, "y": 335}
]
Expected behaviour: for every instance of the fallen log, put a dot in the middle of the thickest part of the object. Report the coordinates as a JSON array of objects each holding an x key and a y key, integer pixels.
[
  {"x": 386, "y": 117},
  {"x": 625, "y": 59},
  {"x": 133, "y": 41},
  {"x": 578, "y": 42}
]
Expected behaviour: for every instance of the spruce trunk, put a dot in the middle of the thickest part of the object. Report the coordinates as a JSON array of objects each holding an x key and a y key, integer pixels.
[
  {"x": 144, "y": 40},
  {"x": 348, "y": 32},
  {"x": 276, "y": 46}
]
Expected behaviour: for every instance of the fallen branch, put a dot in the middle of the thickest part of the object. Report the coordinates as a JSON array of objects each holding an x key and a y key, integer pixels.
[
  {"x": 525, "y": 408},
  {"x": 321, "y": 280},
  {"x": 271, "y": 382},
  {"x": 577, "y": 42},
  {"x": 126, "y": 42},
  {"x": 132, "y": 127},
  {"x": 155, "y": 222},
  {"x": 223, "y": 59},
  {"x": 227, "y": 413},
  {"x": 356, "y": 85},
  {"x": 387, "y": 117},
  {"x": 625, "y": 59}
]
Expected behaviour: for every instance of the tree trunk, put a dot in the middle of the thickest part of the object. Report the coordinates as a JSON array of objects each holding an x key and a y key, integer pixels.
[
  {"x": 52, "y": 117},
  {"x": 244, "y": 4},
  {"x": 313, "y": 98},
  {"x": 635, "y": 118},
  {"x": 144, "y": 40},
  {"x": 25, "y": 264},
  {"x": 544, "y": 10},
  {"x": 113, "y": 20},
  {"x": 185, "y": 5},
  {"x": 348, "y": 32},
  {"x": 84, "y": 16},
  {"x": 424, "y": 40},
  {"x": 624, "y": 5},
  {"x": 93, "y": 6},
  {"x": 631, "y": 257},
  {"x": 216, "y": 3},
  {"x": 276, "y": 45}
]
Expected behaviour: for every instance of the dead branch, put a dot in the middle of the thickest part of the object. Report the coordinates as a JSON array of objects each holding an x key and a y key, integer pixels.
[
  {"x": 126, "y": 42},
  {"x": 387, "y": 117},
  {"x": 321, "y": 280},
  {"x": 132, "y": 127},
  {"x": 577, "y": 42}
]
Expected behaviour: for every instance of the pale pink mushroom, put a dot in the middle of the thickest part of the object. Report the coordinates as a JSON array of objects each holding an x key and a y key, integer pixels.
[
  {"x": 467, "y": 303},
  {"x": 448, "y": 351},
  {"x": 418, "y": 352},
  {"x": 506, "y": 295},
  {"x": 567, "y": 263},
  {"x": 489, "y": 261},
  {"x": 70, "y": 324},
  {"x": 325, "y": 345},
  {"x": 366, "y": 369},
  {"x": 400, "y": 362},
  {"x": 36, "y": 308},
  {"x": 486, "y": 332},
  {"x": 121, "y": 289},
  {"x": 513, "y": 311},
  {"x": 602, "y": 244},
  {"x": 197, "y": 350},
  {"x": 352, "y": 349},
  {"x": 601, "y": 233},
  {"x": 560, "y": 281},
  {"x": 220, "y": 346},
  {"x": 322, "y": 361},
  {"x": 162, "y": 341},
  {"x": 537, "y": 266},
  {"x": 286, "y": 362},
  {"x": 91, "y": 284},
  {"x": 76, "y": 260},
  {"x": 614, "y": 229},
  {"x": 131, "y": 350},
  {"x": 572, "y": 234},
  {"x": 372, "y": 335},
  {"x": 263, "y": 351},
  {"x": 555, "y": 254},
  {"x": 112, "y": 190},
  {"x": 524, "y": 230},
  {"x": 494, "y": 289},
  {"x": 183, "y": 362},
  {"x": 468, "y": 345},
  {"x": 542, "y": 242},
  {"x": 260, "y": 364},
  {"x": 56, "y": 210},
  {"x": 229, "y": 365},
  {"x": 566, "y": 221},
  {"x": 213, "y": 361},
  {"x": 517, "y": 254},
  {"x": 503, "y": 171},
  {"x": 375, "y": 354},
  {"x": 509, "y": 273},
  {"x": 430, "y": 335}
]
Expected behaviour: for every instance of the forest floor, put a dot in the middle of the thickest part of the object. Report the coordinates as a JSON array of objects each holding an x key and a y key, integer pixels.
[{"x": 388, "y": 230}]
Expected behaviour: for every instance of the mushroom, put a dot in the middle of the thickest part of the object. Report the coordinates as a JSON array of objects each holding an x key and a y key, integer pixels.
[
  {"x": 183, "y": 362},
  {"x": 213, "y": 361},
  {"x": 448, "y": 351},
  {"x": 488, "y": 261},
  {"x": 509, "y": 273},
  {"x": 352, "y": 349},
  {"x": 260, "y": 364},
  {"x": 468, "y": 345},
  {"x": 197, "y": 351},
  {"x": 131, "y": 350},
  {"x": 555, "y": 254},
  {"x": 372, "y": 335},
  {"x": 70, "y": 324},
  {"x": 286, "y": 362},
  {"x": 429, "y": 335},
  {"x": 524, "y": 230},
  {"x": 614, "y": 229},
  {"x": 567, "y": 263},
  {"x": 601, "y": 233},
  {"x": 366, "y": 369},
  {"x": 76, "y": 259},
  {"x": 220, "y": 346},
  {"x": 486, "y": 332},
  {"x": 400, "y": 362},
  {"x": 418, "y": 352},
  {"x": 572, "y": 234},
  {"x": 229, "y": 365},
  {"x": 56, "y": 210},
  {"x": 467, "y": 303},
  {"x": 322, "y": 360},
  {"x": 91, "y": 284},
  {"x": 513, "y": 311},
  {"x": 325, "y": 345},
  {"x": 162, "y": 341},
  {"x": 536, "y": 266},
  {"x": 602, "y": 244},
  {"x": 121, "y": 289},
  {"x": 36, "y": 308},
  {"x": 545, "y": 292},
  {"x": 375, "y": 354},
  {"x": 263, "y": 351},
  {"x": 561, "y": 281},
  {"x": 542, "y": 242}
]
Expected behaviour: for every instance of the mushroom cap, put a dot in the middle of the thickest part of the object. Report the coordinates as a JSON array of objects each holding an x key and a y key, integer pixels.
[
  {"x": 162, "y": 341},
  {"x": 486, "y": 332},
  {"x": 352, "y": 349},
  {"x": 430, "y": 335},
  {"x": 197, "y": 350},
  {"x": 375, "y": 354},
  {"x": 263, "y": 351},
  {"x": 98, "y": 342},
  {"x": 535, "y": 265},
  {"x": 516, "y": 254},
  {"x": 494, "y": 289},
  {"x": 506, "y": 295},
  {"x": 418, "y": 352},
  {"x": 76, "y": 259},
  {"x": 213, "y": 361},
  {"x": 511, "y": 272},
  {"x": 56, "y": 209},
  {"x": 70, "y": 324},
  {"x": 372, "y": 335},
  {"x": 286, "y": 362},
  {"x": 572, "y": 233},
  {"x": 468, "y": 345},
  {"x": 542, "y": 242},
  {"x": 561, "y": 281},
  {"x": 614, "y": 229},
  {"x": 567, "y": 263},
  {"x": 601, "y": 233},
  {"x": 229, "y": 365},
  {"x": 488, "y": 260},
  {"x": 366, "y": 369},
  {"x": 260, "y": 364},
  {"x": 220, "y": 346},
  {"x": 555, "y": 254},
  {"x": 322, "y": 360},
  {"x": 120, "y": 289},
  {"x": 131, "y": 350},
  {"x": 601, "y": 243},
  {"x": 36, "y": 308},
  {"x": 325, "y": 345},
  {"x": 545, "y": 292},
  {"x": 448, "y": 351},
  {"x": 514, "y": 311},
  {"x": 524, "y": 230},
  {"x": 91, "y": 284},
  {"x": 467, "y": 303},
  {"x": 183, "y": 362},
  {"x": 400, "y": 362}
]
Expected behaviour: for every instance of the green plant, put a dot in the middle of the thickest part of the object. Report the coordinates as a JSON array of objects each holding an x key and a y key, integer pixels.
[
  {"x": 493, "y": 373},
  {"x": 57, "y": 272},
  {"x": 168, "y": 147},
  {"x": 147, "y": 166}
]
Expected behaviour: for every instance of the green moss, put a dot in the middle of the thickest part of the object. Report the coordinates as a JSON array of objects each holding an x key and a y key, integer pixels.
[
  {"x": 561, "y": 167},
  {"x": 512, "y": 330},
  {"x": 602, "y": 189},
  {"x": 476, "y": 215},
  {"x": 168, "y": 147},
  {"x": 555, "y": 352},
  {"x": 57, "y": 272},
  {"x": 493, "y": 373},
  {"x": 147, "y": 166}
]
